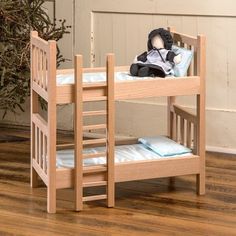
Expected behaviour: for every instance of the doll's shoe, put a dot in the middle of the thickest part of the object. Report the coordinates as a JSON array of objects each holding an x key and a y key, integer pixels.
[
  {"x": 143, "y": 72},
  {"x": 134, "y": 69}
]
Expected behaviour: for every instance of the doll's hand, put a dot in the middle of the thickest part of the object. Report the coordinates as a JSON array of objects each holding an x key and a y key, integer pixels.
[
  {"x": 135, "y": 59},
  {"x": 177, "y": 59}
]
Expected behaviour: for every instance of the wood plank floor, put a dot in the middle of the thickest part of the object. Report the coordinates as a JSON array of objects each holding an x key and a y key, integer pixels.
[{"x": 151, "y": 207}]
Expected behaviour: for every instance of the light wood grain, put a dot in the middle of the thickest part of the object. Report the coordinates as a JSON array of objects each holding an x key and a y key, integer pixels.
[
  {"x": 52, "y": 128},
  {"x": 110, "y": 130},
  {"x": 80, "y": 92},
  {"x": 78, "y": 133},
  {"x": 34, "y": 107},
  {"x": 201, "y": 70},
  {"x": 135, "y": 89}
]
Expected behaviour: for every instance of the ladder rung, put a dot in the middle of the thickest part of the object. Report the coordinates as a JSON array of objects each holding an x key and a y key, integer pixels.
[
  {"x": 93, "y": 99},
  {"x": 94, "y": 85},
  {"x": 95, "y": 113},
  {"x": 94, "y": 198},
  {"x": 94, "y": 169},
  {"x": 94, "y": 155},
  {"x": 94, "y": 184},
  {"x": 95, "y": 141},
  {"x": 66, "y": 145},
  {"x": 90, "y": 127}
]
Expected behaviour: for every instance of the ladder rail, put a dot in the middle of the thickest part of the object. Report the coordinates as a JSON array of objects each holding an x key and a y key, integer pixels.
[
  {"x": 109, "y": 140},
  {"x": 78, "y": 133}
]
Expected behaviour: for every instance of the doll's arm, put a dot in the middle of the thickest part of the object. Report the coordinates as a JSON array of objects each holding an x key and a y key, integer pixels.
[
  {"x": 172, "y": 57},
  {"x": 142, "y": 57}
]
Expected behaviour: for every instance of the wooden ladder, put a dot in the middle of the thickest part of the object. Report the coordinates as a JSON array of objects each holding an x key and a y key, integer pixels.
[{"x": 108, "y": 141}]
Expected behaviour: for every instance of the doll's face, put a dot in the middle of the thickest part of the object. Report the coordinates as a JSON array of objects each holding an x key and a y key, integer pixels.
[{"x": 157, "y": 42}]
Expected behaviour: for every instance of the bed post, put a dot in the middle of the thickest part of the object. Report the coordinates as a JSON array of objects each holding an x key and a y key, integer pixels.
[
  {"x": 78, "y": 132},
  {"x": 51, "y": 188},
  {"x": 201, "y": 71},
  {"x": 170, "y": 117},
  {"x": 110, "y": 131},
  {"x": 170, "y": 102},
  {"x": 34, "y": 109}
]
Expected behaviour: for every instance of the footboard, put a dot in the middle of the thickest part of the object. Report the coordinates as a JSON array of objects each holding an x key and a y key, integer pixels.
[
  {"x": 43, "y": 84},
  {"x": 184, "y": 127},
  {"x": 42, "y": 60}
]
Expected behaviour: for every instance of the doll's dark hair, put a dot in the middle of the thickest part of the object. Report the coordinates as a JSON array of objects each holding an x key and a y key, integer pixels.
[{"x": 164, "y": 34}]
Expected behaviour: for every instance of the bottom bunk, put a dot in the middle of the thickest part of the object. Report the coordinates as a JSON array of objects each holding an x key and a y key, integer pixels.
[{"x": 136, "y": 161}]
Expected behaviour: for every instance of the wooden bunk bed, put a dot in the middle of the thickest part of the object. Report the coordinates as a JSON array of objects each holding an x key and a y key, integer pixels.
[{"x": 183, "y": 126}]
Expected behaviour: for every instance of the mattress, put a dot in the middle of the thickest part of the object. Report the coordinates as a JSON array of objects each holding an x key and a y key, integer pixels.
[
  {"x": 123, "y": 153},
  {"x": 63, "y": 79}
]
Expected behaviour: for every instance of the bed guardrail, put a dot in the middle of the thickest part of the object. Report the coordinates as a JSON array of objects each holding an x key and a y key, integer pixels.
[{"x": 184, "y": 127}]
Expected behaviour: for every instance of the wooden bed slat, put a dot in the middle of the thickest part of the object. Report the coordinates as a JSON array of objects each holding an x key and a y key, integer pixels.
[
  {"x": 183, "y": 38},
  {"x": 182, "y": 128},
  {"x": 189, "y": 139}
]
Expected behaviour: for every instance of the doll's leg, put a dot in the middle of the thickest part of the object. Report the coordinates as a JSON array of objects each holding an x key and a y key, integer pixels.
[
  {"x": 157, "y": 73},
  {"x": 144, "y": 71},
  {"x": 134, "y": 68}
]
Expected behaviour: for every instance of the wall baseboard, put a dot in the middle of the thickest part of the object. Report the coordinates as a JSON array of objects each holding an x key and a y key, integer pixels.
[
  {"x": 69, "y": 132},
  {"x": 142, "y": 118},
  {"x": 221, "y": 150}
]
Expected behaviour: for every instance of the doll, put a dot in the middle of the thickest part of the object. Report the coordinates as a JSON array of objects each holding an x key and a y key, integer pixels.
[{"x": 159, "y": 60}]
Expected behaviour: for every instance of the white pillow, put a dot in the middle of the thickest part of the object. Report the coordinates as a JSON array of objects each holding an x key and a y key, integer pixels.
[
  {"x": 182, "y": 68},
  {"x": 164, "y": 146}
]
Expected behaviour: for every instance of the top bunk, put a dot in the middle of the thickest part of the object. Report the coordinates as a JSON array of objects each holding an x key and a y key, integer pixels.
[{"x": 47, "y": 79}]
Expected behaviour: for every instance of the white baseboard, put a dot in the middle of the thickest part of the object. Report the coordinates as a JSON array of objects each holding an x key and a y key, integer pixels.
[
  {"x": 221, "y": 150},
  {"x": 145, "y": 118}
]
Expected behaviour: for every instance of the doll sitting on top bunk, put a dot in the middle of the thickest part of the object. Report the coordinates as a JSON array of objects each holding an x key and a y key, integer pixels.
[{"x": 159, "y": 60}]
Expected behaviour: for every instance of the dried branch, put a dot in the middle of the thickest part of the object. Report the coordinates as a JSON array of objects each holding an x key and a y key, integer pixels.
[{"x": 17, "y": 19}]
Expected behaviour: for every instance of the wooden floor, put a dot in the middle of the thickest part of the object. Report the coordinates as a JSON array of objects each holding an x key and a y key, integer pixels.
[{"x": 152, "y": 207}]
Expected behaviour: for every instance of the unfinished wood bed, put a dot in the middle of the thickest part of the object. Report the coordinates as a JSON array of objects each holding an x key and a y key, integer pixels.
[{"x": 183, "y": 126}]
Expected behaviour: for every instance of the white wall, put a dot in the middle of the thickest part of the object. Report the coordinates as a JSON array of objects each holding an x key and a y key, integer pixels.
[{"x": 122, "y": 27}]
